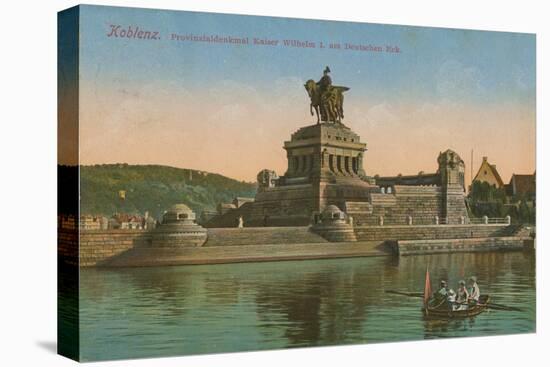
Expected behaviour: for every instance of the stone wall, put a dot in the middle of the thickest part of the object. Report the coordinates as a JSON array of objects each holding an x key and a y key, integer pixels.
[
  {"x": 67, "y": 245},
  {"x": 96, "y": 246},
  {"x": 344, "y": 190},
  {"x": 454, "y": 206},
  {"x": 102, "y": 247},
  {"x": 419, "y": 247},
  {"x": 414, "y": 180},
  {"x": 405, "y": 232},
  {"x": 261, "y": 236}
]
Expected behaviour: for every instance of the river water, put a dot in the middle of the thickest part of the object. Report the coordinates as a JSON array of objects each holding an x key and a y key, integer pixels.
[{"x": 165, "y": 311}]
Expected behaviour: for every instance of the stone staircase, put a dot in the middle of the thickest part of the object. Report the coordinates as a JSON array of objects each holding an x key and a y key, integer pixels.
[
  {"x": 422, "y": 203},
  {"x": 383, "y": 200},
  {"x": 228, "y": 219},
  {"x": 357, "y": 207},
  {"x": 361, "y": 211}
]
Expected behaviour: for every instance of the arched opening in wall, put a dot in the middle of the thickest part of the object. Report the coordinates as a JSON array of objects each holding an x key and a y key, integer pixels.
[
  {"x": 331, "y": 162},
  {"x": 339, "y": 163},
  {"x": 354, "y": 165},
  {"x": 346, "y": 165},
  {"x": 383, "y": 190},
  {"x": 388, "y": 190},
  {"x": 182, "y": 216}
]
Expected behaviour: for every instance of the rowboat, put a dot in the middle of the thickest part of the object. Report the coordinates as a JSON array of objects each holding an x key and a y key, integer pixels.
[
  {"x": 448, "y": 311},
  {"x": 444, "y": 311}
]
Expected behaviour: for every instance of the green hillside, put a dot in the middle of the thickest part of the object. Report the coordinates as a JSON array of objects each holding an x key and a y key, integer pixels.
[{"x": 154, "y": 188}]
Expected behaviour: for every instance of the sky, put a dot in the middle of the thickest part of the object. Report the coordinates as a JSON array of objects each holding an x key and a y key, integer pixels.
[{"x": 228, "y": 108}]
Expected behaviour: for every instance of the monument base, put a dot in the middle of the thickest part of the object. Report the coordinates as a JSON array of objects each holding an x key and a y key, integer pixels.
[{"x": 325, "y": 167}]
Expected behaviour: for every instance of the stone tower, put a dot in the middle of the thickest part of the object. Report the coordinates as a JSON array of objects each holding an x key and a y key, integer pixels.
[{"x": 451, "y": 171}]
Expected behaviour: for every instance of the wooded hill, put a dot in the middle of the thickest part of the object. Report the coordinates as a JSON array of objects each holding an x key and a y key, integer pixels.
[{"x": 109, "y": 188}]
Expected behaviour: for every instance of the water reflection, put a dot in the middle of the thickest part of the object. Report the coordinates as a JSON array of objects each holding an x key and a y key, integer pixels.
[
  {"x": 221, "y": 308},
  {"x": 434, "y": 328},
  {"x": 68, "y": 310}
]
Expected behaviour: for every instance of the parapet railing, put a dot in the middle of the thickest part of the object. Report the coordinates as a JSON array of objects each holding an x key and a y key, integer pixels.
[
  {"x": 487, "y": 220},
  {"x": 482, "y": 220},
  {"x": 412, "y": 221}
]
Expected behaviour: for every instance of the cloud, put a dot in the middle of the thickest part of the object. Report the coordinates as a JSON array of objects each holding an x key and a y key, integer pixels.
[
  {"x": 230, "y": 113},
  {"x": 375, "y": 116},
  {"x": 381, "y": 114},
  {"x": 521, "y": 80},
  {"x": 455, "y": 80},
  {"x": 228, "y": 91}
]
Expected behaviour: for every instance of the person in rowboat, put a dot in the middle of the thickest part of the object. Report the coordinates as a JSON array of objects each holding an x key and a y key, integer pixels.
[
  {"x": 440, "y": 296},
  {"x": 442, "y": 291},
  {"x": 474, "y": 293},
  {"x": 451, "y": 299},
  {"x": 462, "y": 296}
]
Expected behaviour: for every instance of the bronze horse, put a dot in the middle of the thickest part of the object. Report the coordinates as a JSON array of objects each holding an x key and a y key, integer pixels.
[{"x": 328, "y": 105}]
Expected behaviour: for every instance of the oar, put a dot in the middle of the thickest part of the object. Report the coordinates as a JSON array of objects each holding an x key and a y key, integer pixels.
[
  {"x": 496, "y": 306},
  {"x": 491, "y": 305},
  {"x": 408, "y": 294}
]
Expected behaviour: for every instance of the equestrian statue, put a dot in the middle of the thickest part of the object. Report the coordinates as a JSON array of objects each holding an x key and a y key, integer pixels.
[{"x": 326, "y": 99}]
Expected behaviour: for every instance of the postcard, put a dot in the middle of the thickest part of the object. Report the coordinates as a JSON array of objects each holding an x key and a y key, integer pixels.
[{"x": 240, "y": 183}]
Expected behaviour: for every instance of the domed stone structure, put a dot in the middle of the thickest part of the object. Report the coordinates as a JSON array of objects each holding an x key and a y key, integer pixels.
[
  {"x": 334, "y": 225},
  {"x": 179, "y": 213},
  {"x": 178, "y": 229},
  {"x": 332, "y": 214}
]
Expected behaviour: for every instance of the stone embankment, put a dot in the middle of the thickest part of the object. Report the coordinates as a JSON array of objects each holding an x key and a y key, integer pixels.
[{"x": 229, "y": 245}]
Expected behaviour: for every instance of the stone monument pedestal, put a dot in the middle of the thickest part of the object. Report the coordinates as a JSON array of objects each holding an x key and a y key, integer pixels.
[{"x": 325, "y": 167}]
